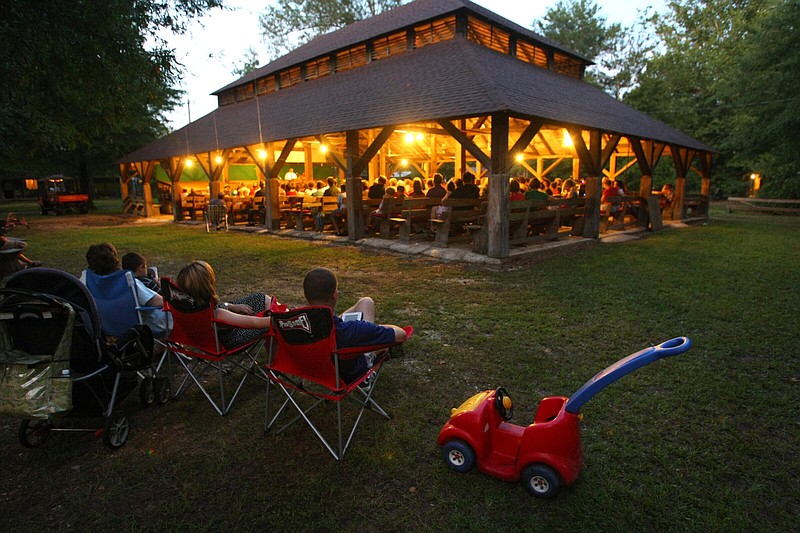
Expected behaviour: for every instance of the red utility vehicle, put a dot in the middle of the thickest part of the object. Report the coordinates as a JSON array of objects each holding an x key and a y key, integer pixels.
[
  {"x": 60, "y": 194},
  {"x": 546, "y": 454}
]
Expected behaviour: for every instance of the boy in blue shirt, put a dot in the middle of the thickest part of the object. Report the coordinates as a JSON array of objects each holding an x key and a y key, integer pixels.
[{"x": 320, "y": 287}]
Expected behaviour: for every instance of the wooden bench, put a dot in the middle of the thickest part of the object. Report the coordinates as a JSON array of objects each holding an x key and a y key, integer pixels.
[
  {"x": 288, "y": 206},
  {"x": 258, "y": 211},
  {"x": 620, "y": 207},
  {"x": 772, "y": 206},
  {"x": 414, "y": 211},
  {"x": 304, "y": 209},
  {"x": 328, "y": 205},
  {"x": 529, "y": 221},
  {"x": 392, "y": 207},
  {"x": 459, "y": 212},
  {"x": 238, "y": 207},
  {"x": 571, "y": 213},
  {"x": 194, "y": 206}
]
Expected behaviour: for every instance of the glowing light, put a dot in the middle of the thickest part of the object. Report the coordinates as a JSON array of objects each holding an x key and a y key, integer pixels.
[
  {"x": 752, "y": 176},
  {"x": 218, "y": 159},
  {"x": 323, "y": 148},
  {"x": 420, "y": 137},
  {"x": 262, "y": 154},
  {"x": 404, "y": 162},
  {"x": 188, "y": 163},
  {"x": 520, "y": 158},
  {"x": 409, "y": 138},
  {"x": 567, "y": 139}
]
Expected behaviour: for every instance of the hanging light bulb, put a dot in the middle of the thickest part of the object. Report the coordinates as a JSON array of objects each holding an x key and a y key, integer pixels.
[
  {"x": 262, "y": 154},
  {"x": 420, "y": 137},
  {"x": 188, "y": 163},
  {"x": 520, "y": 158},
  {"x": 323, "y": 148},
  {"x": 218, "y": 159},
  {"x": 403, "y": 162},
  {"x": 409, "y": 138}
]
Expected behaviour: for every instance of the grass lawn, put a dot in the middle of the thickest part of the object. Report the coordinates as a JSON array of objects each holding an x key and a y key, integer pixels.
[{"x": 709, "y": 440}]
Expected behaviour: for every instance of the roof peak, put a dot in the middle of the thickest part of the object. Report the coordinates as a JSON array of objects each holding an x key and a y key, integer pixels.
[{"x": 389, "y": 21}]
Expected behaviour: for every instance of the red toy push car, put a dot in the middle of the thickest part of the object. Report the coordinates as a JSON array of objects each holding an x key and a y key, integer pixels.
[{"x": 546, "y": 454}]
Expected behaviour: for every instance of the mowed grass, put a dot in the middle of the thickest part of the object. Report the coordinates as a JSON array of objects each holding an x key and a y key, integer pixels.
[{"x": 704, "y": 441}]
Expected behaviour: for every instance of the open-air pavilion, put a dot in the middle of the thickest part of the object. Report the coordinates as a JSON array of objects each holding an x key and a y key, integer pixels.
[{"x": 430, "y": 84}]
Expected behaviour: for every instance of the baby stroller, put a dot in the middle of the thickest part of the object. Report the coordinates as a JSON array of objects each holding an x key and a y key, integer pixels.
[{"x": 54, "y": 362}]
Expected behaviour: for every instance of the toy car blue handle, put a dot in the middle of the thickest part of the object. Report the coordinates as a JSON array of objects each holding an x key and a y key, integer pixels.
[{"x": 624, "y": 367}]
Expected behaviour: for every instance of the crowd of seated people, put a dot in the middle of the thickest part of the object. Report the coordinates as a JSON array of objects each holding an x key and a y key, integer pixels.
[{"x": 436, "y": 186}]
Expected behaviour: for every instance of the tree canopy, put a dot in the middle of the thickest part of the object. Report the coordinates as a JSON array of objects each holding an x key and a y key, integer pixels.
[
  {"x": 291, "y": 23},
  {"x": 85, "y": 82},
  {"x": 618, "y": 52}
]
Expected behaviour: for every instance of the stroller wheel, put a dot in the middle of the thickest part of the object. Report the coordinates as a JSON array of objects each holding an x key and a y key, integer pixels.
[
  {"x": 147, "y": 393},
  {"x": 115, "y": 430},
  {"x": 162, "y": 390},
  {"x": 33, "y": 433}
]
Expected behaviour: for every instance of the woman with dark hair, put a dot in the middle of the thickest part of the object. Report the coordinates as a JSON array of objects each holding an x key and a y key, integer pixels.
[{"x": 416, "y": 189}]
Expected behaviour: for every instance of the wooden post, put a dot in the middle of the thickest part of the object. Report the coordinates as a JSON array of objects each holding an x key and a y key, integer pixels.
[
  {"x": 645, "y": 191},
  {"x": 497, "y": 207},
  {"x": 308, "y": 152},
  {"x": 124, "y": 190},
  {"x": 591, "y": 228},
  {"x": 705, "y": 184},
  {"x": 677, "y": 200},
  {"x": 682, "y": 158},
  {"x": 353, "y": 200},
  {"x": 147, "y": 191}
]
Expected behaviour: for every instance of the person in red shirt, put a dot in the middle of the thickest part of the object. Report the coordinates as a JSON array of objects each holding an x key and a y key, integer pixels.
[{"x": 514, "y": 191}]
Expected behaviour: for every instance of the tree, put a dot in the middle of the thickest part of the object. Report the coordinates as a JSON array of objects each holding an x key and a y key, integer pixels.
[
  {"x": 291, "y": 23},
  {"x": 765, "y": 85},
  {"x": 618, "y": 52},
  {"x": 682, "y": 85},
  {"x": 85, "y": 82}
]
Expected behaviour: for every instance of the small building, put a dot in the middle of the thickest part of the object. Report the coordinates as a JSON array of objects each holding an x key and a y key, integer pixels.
[{"x": 428, "y": 85}]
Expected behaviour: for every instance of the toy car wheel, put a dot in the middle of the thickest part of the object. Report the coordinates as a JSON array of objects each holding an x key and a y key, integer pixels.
[
  {"x": 115, "y": 430},
  {"x": 33, "y": 433},
  {"x": 458, "y": 455},
  {"x": 147, "y": 393},
  {"x": 541, "y": 481},
  {"x": 162, "y": 389}
]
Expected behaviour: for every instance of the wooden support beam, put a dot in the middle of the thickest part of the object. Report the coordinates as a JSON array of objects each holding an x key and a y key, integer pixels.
[
  {"x": 284, "y": 155},
  {"x": 372, "y": 150},
  {"x": 466, "y": 142},
  {"x": 261, "y": 163},
  {"x": 337, "y": 159},
  {"x": 527, "y": 136}
]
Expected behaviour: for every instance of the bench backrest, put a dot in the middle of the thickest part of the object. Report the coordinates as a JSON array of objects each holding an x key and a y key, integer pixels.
[
  {"x": 329, "y": 203},
  {"x": 418, "y": 207}
]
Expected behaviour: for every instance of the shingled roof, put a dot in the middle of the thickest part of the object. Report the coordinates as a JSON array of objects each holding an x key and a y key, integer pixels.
[
  {"x": 406, "y": 15},
  {"x": 449, "y": 80}
]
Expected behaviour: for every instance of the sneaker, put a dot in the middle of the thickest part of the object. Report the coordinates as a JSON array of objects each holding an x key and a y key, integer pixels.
[
  {"x": 369, "y": 382},
  {"x": 370, "y": 357}
]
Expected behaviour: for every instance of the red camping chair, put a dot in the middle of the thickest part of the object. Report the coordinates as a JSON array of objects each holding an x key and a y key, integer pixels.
[
  {"x": 194, "y": 340},
  {"x": 304, "y": 361}
]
